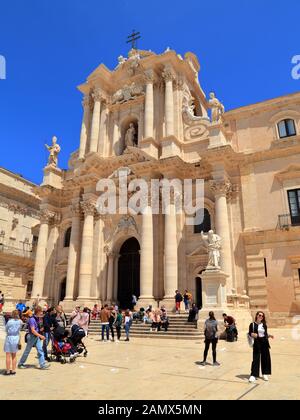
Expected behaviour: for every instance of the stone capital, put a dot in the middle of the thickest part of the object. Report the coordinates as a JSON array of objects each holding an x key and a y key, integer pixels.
[
  {"x": 109, "y": 252},
  {"x": 222, "y": 187},
  {"x": 86, "y": 102},
  {"x": 168, "y": 74},
  {"x": 46, "y": 216},
  {"x": 88, "y": 208},
  {"x": 97, "y": 95},
  {"x": 149, "y": 76},
  {"x": 75, "y": 209}
]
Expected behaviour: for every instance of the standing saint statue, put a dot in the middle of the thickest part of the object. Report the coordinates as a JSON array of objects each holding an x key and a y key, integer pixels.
[
  {"x": 213, "y": 243},
  {"x": 54, "y": 151},
  {"x": 130, "y": 136},
  {"x": 217, "y": 108}
]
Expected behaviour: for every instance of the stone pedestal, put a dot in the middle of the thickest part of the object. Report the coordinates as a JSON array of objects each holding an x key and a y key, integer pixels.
[
  {"x": 216, "y": 135},
  {"x": 170, "y": 146},
  {"x": 53, "y": 177},
  {"x": 150, "y": 146},
  {"x": 214, "y": 289}
]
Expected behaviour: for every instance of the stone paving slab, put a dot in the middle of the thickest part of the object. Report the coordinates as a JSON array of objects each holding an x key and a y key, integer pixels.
[{"x": 155, "y": 369}]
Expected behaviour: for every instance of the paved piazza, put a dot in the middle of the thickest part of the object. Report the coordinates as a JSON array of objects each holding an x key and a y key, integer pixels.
[{"x": 153, "y": 368}]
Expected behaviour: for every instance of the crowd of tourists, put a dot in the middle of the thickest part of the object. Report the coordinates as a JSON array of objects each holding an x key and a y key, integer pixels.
[{"x": 46, "y": 324}]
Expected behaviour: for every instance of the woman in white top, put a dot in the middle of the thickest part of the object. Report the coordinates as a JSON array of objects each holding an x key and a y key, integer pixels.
[
  {"x": 261, "y": 347},
  {"x": 127, "y": 323}
]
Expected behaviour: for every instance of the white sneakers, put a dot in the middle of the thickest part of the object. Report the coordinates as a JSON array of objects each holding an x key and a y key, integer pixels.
[{"x": 253, "y": 379}]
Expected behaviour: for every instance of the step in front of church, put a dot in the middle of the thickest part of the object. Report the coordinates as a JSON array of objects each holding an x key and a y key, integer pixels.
[{"x": 179, "y": 328}]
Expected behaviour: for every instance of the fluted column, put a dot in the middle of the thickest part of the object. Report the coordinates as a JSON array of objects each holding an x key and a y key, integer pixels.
[
  {"x": 169, "y": 101},
  {"x": 40, "y": 259},
  {"x": 84, "y": 126},
  {"x": 110, "y": 276},
  {"x": 171, "y": 259},
  {"x": 146, "y": 261},
  {"x": 221, "y": 189},
  {"x": 116, "y": 279},
  {"x": 149, "y": 104},
  {"x": 116, "y": 137},
  {"x": 86, "y": 259},
  {"x": 73, "y": 252},
  {"x": 95, "y": 121}
]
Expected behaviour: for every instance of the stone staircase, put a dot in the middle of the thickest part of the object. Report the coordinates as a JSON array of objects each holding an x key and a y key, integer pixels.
[{"x": 179, "y": 329}]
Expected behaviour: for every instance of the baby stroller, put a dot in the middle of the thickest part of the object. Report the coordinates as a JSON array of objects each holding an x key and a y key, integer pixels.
[
  {"x": 77, "y": 334},
  {"x": 62, "y": 349}
]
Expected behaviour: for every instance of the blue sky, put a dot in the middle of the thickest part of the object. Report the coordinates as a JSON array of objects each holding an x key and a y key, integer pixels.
[{"x": 244, "y": 47}]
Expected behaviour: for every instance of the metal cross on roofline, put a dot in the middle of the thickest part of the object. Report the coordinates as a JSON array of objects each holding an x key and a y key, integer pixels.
[{"x": 133, "y": 38}]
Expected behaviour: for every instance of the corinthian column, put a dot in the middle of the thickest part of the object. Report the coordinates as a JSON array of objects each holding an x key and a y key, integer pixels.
[
  {"x": 40, "y": 259},
  {"x": 149, "y": 76},
  {"x": 86, "y": 259},
  {"x": 85, "y": 126},
  {"x": 116, "y": 137},
  {"x": 171, "y": 259},
  {"x": 220, "y": 190},
  {"x": 146, "y": 262},
  {"x": 73, "y": 252},
  {"x": 169, "y": 101},
  {"x": 110, "y": 276},
  {"x": 95, "y": 121}
]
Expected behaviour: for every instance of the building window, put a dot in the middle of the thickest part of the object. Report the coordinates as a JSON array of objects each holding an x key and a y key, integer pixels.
[
  {"x": 67, "y": 237},
  {"x": 286, "y": 128},
  {"x": 265, "y": 266},
  {"x": 294, "y": 204},
  {"x": 29, "y": 289},
  {"x": 205, "y": 226}
]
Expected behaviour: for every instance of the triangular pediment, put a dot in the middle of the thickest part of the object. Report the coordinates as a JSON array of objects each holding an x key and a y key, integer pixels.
[{"x": 200, "y": 250}]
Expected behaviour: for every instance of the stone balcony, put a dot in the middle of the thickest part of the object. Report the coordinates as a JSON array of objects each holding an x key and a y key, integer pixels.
[{"x": 20, "y": 255}]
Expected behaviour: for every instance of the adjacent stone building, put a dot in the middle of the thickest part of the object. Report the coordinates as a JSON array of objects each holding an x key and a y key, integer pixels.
[
  {"x": 150, "y": 117},
  {"x": 19, "y": 214}
]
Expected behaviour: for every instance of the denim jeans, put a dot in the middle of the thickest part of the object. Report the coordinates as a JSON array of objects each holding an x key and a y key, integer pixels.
[
  {"x": 31, "y": 340},
  {"x": 105, "y": 327},
  {"x": 127, "y": 328},
  {"x": 45, "y": 344}
]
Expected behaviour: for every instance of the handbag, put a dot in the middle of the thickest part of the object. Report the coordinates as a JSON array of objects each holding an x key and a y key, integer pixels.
[{"x": 250, "y": 339}]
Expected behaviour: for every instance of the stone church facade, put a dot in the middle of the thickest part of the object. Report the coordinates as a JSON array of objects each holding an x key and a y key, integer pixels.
[{"x": 150, "y": 116}]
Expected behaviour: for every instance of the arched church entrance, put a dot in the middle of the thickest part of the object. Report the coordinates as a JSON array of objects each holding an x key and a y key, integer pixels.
[
  {"x": 198, "y": 280},
  {"x": 62, "y": 289},
  {"x": 128, "y": 273}
]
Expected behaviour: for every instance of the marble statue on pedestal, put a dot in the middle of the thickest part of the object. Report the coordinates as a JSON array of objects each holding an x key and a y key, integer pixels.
[
  {"x": 217, "y": 108},
  {"x": 54, "y": 151},
  {"x": 213, "y": 243}
]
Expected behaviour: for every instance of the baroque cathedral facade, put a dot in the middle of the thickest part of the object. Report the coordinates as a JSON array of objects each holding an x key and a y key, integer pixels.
[{"x": 151, "y": 117}]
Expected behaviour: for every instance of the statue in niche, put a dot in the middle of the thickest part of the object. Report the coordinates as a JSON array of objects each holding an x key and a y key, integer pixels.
[
  {"x": 217, "y": 108},
  {"x": 130, "y": 136},
  {"x": 54, "y": 151}
]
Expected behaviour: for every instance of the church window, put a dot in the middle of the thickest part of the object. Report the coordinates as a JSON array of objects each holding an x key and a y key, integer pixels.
[
  {"x": 67, "y": 237},
  {"x": 205, "y": 226},
  {"x": 286, "y": 128}
]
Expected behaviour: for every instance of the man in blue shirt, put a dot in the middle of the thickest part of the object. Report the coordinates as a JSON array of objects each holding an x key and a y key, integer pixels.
[{"x": 20, "y": 307}]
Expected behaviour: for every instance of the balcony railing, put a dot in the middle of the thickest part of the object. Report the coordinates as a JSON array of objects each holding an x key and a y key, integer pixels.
[
  {"x": 285, "y": 221},
  {"x": 19, "y": 252}
]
